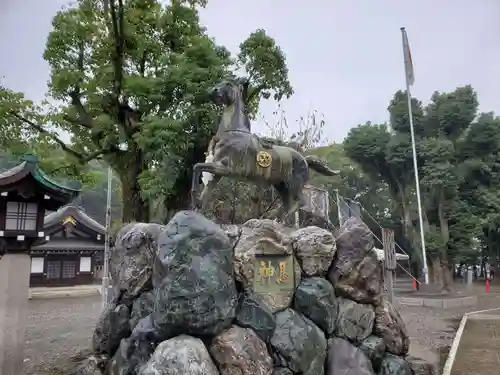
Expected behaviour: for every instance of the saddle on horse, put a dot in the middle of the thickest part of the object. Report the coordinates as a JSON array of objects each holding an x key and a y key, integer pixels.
[{"x": 266, "y": 143}]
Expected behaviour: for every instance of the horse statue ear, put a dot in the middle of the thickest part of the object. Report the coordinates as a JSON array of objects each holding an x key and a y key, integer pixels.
[
  {"x": 244, "y": 85},
  {"x": 243, "y": 82}
]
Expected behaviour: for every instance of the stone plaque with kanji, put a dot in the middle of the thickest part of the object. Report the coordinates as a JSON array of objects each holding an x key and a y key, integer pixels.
[{"x": 274, "y": 274}]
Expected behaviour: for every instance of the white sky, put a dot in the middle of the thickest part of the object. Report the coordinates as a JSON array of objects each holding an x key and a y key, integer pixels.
[{"x": 345, "y": 57}]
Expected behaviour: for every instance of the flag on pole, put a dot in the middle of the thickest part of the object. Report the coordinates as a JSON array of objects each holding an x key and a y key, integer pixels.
[{"x": 410, "y": 75}]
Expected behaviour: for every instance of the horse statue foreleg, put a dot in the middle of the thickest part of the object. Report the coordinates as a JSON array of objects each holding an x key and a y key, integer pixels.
[
  {"x": 216, "y": 170},
  {"x": 207, "y": 190}
]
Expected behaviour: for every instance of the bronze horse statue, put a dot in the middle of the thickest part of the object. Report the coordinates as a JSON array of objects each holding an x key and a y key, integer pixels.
[{"x": 236, "y": 152}]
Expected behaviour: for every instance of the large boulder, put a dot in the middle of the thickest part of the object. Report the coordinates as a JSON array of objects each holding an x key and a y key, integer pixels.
[
  {"x": 345, "y": 359},
  {"x": 421, "y": 367},
  {"x": 193, "y": 278},
  {"x": 240, "y": 291},
  {"x": 253, "y": 313},
  {"x": 298, "y": 344},
  {"x": 255, "y": 236},
  {"x": 374, "y": 348},
  {"x": 142, "y": 341},
  {"x": 315, "y": 298},
  {"x": 240, "y": 351},
  {"x": 282, "y": 371},
  {"x": 354, "y": 320},
  {"x": 260, "y": 240},
  {"x": 180, "y": 355},
  {"x": 111, "y": 328},
  {"x": 135, "y": 350},
  {"x": 233, "y": 232},
  {"x": 394, "y": 365},
  {"x": 131, "y": 260},
  {"x": 120, "y": 364},
  {"x": 390, "y": 327},
  {"x": 314, "y": 248},
  {"x": 356, "y": 272},
  {"x": 92, "y": 365},
  {"x": 142, "y": 307}
]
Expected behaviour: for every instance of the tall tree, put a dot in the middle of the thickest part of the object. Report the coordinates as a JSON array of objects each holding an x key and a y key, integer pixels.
[
  {"x": 132, "y": 77},
  {"x": 385, "y": 156},
  {"x": 451, "y": 227},
  {"x": 448, "y": 157},
  {"x": 479, "y": 151}
]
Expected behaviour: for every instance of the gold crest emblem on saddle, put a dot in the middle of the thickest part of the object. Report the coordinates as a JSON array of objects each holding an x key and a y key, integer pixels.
[{"x": 264, "y": 159}]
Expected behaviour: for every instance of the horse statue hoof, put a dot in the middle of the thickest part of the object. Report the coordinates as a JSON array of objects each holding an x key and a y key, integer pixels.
[{"x": 195, "y": 202}]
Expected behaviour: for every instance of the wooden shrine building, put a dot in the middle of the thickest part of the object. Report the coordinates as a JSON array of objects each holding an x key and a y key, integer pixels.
[
  {"x": 71, "y": 253},
  {"x": 26, "y": 194}
]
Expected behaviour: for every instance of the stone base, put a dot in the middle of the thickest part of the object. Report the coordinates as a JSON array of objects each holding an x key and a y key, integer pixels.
[
  {"x": 438, "y": 302},
  {"x": 197, "y": 298},
  {"x": 14, "y": 291}
]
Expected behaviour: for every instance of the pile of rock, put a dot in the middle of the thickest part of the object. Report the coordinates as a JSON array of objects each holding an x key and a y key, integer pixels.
[{"x": 193, "y": 297}]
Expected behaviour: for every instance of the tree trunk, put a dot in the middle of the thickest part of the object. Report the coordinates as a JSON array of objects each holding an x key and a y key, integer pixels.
[
  {"x": 448, "y": 277},
  {"x": 443, "y": 221},
  {"x": 407, "y": 224},
  {"x": 437, "y": 272},
  {"x": 129, "y": 169},
  {"x": 442, "y": 273},
  {"x": 445, "y": 235},
  {"x": 134, "y": 207}
]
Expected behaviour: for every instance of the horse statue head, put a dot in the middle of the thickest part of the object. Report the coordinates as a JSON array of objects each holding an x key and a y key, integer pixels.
[{"x": 231, "y": 94}]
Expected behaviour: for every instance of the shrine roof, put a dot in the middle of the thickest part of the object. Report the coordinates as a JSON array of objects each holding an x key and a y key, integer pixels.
[
  {"x": 30, "y": 166},
  {"x": 71, "y": 211},
  {"x": 68, "y": 245}
]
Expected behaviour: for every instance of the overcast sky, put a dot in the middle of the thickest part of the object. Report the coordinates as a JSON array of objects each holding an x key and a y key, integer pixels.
[{"x": 345, "y": 57}]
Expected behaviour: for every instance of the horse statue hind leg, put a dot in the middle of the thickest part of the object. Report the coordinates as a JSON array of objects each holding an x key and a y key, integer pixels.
[
  {"x": 291, "y": 202},
  {"x": 291, "y": 190}
]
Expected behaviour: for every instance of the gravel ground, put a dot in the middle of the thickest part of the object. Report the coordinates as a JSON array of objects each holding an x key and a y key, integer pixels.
[
  {"x": 432, "y": 330},
  {"x": 59, "y": 329}
]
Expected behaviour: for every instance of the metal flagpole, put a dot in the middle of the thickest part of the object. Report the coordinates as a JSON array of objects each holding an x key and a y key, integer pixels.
[
  {"x": 409, "y": 74},
  {"x": 105, "y": 276}
]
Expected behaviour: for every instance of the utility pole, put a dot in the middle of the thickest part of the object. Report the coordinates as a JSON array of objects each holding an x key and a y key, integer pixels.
[{"x": 105, "y": 276}]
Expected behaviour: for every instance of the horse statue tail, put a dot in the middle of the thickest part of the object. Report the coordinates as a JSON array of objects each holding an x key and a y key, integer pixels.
[{"x": 318, "y": 165}]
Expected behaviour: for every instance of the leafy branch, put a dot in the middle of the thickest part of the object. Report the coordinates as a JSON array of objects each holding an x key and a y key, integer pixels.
[{"x": 82, "y": 158}]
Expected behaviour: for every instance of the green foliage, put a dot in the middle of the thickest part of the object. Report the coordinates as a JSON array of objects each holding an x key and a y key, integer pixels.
[
  {"x": 398, "y": 111},
  {"x": 458, "y": 154},
  {"x": 265, "y": 63}
]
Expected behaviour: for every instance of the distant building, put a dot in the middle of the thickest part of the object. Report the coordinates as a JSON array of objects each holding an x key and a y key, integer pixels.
[{"x": 71, "y": 252}]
